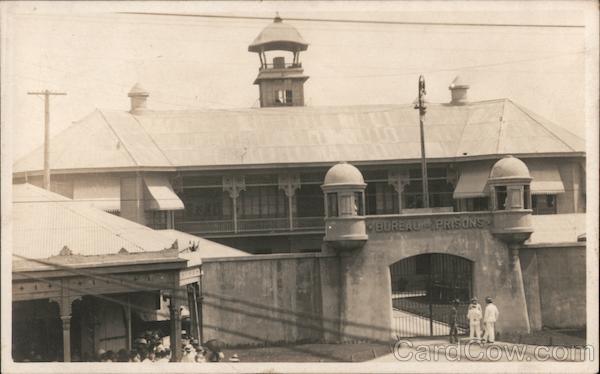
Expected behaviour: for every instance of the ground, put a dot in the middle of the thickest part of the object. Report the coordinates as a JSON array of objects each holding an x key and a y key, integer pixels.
[{"x": 383, "y": 352}]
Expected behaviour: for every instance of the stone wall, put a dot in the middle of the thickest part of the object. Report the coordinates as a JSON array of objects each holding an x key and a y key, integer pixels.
[
  {"x": 266, "y": 299},
  {"x": 555, "y": 284}
]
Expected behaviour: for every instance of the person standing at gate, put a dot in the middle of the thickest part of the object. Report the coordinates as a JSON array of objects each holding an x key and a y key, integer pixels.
[
  {"x": 474, "y": 316},
  {"x": 453, "y": 322},
  {"x": 489, "y": 320}
]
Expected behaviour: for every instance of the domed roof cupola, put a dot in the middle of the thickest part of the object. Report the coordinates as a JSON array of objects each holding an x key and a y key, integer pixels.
[
  {"x": 509, "y": 167},
  {"x": 344, "y": 189},
  {"x": 278, "y": 36},
  {"x": 280, "y": 83},
  {"x": 510, "y": 195},
  {"x": 344, "y": 174}
]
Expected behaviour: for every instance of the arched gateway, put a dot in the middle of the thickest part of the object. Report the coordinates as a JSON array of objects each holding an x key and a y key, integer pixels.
[
  {"x": 398, "y": 273},
  {"x": 422, "y": 290}
]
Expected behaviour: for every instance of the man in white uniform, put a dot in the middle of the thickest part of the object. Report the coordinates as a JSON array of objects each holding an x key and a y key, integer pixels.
[
  {"x": 489, "y": 320},
  {"x": 474, "y": 317}
]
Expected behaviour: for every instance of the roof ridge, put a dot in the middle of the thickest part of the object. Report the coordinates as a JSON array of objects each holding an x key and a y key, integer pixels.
[
  {"x": 501, "y": 125},
  {"x": 544, "y": 127},
  {"x": 118, "y": 138},
  {"x": 151, "y": 139}
]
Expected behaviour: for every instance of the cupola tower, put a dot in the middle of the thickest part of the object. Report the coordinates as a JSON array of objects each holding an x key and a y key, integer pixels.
[{"x": 280, "y": 83}]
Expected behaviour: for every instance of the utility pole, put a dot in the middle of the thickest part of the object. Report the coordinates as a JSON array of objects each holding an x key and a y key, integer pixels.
[
  {"x": 46, "y": 94},
  {"x": 422, "y": 107}
]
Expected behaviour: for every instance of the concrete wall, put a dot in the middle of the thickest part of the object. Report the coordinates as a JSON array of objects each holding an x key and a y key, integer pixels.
[
  {"x": 367, "y": 287},
  {"x": 555, "y": 284},
  {"x": 345, "y": 295},
  {"x": 266, "y": 299}
]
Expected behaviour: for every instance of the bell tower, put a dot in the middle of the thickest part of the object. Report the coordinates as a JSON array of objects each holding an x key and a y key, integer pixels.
[{"x": 280, "y": 83}]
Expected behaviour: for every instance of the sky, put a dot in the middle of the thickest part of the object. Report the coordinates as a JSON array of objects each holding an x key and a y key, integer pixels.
[{"x": 95, "y": 55}]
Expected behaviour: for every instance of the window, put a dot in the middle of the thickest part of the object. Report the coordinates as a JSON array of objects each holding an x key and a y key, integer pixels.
[
  {"x": 543, "y": 204},
  {"x": 158, "y": 220},
  {"x": 332, "y": 204},
  {"x": 501, "y": 197},
  {"x": 262, "y": 202},
  {"x": 206, "y": 204},
  {"x": 476, "y": 204},
  {"x": 358, "y": 203},
  {"x": 283, "y": 97},
  {"x": 310, "y": 200},
  {"x": 440, "y": 191},
  {"x": 381, "y": 198},
  {"x": 526, "y": 197}
]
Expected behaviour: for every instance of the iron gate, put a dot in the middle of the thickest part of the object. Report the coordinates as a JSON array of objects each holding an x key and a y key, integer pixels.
[{"x": 423, "y": 288}]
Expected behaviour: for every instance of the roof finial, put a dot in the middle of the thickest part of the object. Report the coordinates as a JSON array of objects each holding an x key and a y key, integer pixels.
[{"x": 277, "y": 18}]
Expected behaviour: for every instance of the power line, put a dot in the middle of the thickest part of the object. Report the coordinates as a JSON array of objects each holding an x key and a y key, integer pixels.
[{"x": 358, "y": 21}]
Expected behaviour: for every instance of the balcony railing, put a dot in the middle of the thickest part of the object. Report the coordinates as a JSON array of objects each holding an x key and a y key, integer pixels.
[
  {"x": 287, "y": 65},
  {"x": 251, "y": 225}
]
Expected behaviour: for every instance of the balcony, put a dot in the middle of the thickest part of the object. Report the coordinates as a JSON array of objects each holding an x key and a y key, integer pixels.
[{"x": 251, "y": 226}]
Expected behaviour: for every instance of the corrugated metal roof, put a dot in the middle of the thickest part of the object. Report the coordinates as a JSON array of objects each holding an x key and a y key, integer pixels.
[
  {"x": 206, "y": 248},
  {"x": 301, "y": 135},
  {"x": 45, "y": 222}
]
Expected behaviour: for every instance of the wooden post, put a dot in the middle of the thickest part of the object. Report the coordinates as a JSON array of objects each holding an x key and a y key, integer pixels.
[
  {"x": 128, "y": 323},
  {"x": 175, "y": 313},
  {"x": 46, "y": 94},
  {"x": 66, "y": 326}
]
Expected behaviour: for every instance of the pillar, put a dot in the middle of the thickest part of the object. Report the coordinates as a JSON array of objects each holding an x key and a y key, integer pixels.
[
  {"x": 177, "y": 298},
  {"x": 64, "y": 304},
  {"x": 398, "y": 179},
  {"x": 289, "y": 183},
  {"x": 234, "y": 185},
  {"x": 66, "y": 326}
]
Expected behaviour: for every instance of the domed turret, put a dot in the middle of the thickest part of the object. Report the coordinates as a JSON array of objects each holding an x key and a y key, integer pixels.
[
  {"x": 344, "y": 190},
  {"x": 280, "y": 83},
  {"x": 509, "y": 167},
  {"x": 278, "y": 36},
  {"x": 509, "y": 183},
  {"x": 344, "y": 174}
]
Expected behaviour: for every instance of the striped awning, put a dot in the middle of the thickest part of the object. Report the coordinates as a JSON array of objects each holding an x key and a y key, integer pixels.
[
  {"x": 472, "y": 182},
  {"x": 160, "y": 194},
  {"x": 546, "y": 179}
]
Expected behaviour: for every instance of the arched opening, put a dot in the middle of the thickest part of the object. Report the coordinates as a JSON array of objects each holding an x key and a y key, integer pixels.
[{"x": 423, "y": 290}]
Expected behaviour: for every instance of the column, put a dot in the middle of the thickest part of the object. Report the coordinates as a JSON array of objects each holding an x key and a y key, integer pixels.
[
  {"x": 66, "y": 326},
  {"x": 65, "y": 310},
  {"x": 177, "y": 297},
  {"x": 234, "y": 185},
  {"x": 398, "y": 179},
  {"x": 289, "y": 183}
]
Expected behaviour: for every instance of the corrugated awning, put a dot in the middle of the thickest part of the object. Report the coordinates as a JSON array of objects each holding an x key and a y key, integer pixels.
[
  {"x": 546, "y": 179},
  {"x": 472, "y": 182},
  {"x": 160, "y": 194}
]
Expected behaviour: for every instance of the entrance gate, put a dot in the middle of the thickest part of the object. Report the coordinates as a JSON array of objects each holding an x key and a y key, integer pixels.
[{"x": 423, "y": 288}]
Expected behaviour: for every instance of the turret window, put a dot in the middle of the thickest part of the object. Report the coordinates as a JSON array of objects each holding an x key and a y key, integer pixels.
[{"x": 283, "y": 97}]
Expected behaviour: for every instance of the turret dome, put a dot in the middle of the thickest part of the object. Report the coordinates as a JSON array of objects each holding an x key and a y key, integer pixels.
[
  {"x": 343, "y": 174},
  {"x": 509, "y": 167},
  {"x": 278, "y": 36}
]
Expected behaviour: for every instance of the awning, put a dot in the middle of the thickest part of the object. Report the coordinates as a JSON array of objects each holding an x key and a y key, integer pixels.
[
  {"x": 472, "y": 182},
  {"x": 160, "y": 194},
  {"x": 546, "y": 179}
]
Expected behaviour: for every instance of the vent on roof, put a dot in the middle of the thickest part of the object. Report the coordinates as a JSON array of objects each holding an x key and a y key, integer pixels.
[
  {"x": 138, "y": 97},
  {"x": 458, "y": 89}
]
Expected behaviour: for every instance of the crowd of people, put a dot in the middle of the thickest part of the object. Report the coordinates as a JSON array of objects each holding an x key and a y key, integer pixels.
[{"x": 149, "y": 348}]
